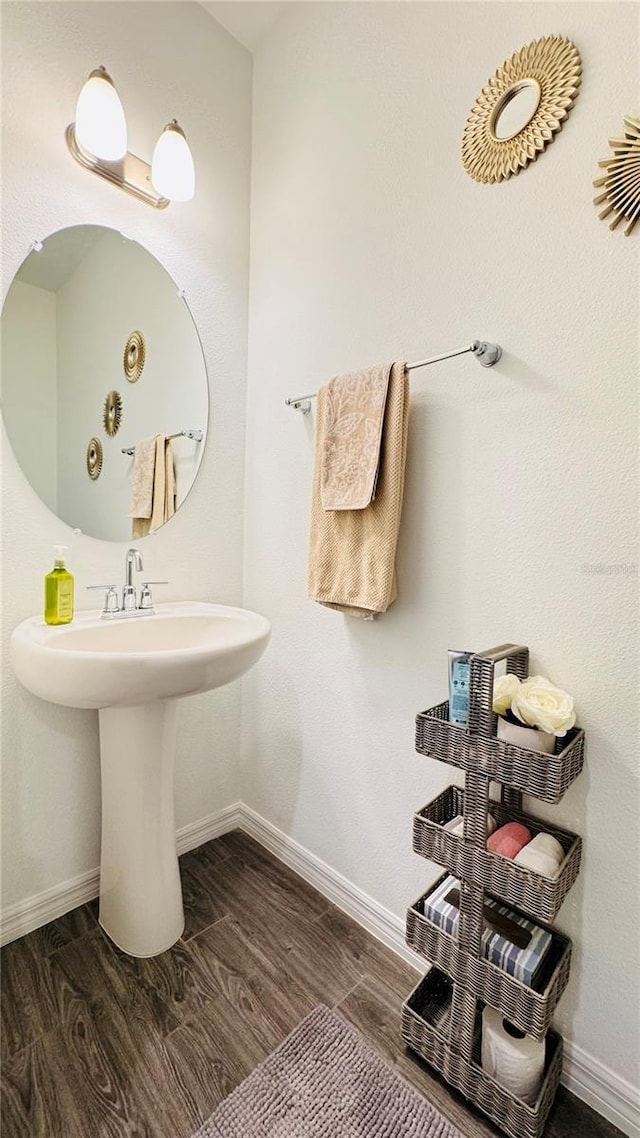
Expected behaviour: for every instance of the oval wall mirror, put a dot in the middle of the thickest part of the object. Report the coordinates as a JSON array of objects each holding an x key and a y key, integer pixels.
[{"x": 66, "y": 321}]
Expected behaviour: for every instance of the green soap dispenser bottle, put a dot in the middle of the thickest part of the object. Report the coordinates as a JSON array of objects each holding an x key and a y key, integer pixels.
[{"x": 58, "y": 590}]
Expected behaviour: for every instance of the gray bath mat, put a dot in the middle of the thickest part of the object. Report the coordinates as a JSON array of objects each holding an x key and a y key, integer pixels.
[{"x": 324, "y": 1081}]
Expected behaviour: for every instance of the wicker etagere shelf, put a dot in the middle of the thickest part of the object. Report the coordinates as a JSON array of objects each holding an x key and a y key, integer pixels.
[{"x": 441, "y": 1019}]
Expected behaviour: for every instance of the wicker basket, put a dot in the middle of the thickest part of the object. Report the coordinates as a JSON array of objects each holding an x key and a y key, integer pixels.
[
  {"x": 528, "y": 1008},
  {"x": 546, "y": 777},
  {"x": 441, "y": 1020},
  {"x": 427, "y": 1025},
  {"x": 540, "y": 896}
]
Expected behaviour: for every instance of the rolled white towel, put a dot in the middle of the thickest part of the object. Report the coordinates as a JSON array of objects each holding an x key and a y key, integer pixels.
[
  {"x": 546, "y": 843},
  {"x": 541, "y": 856},
  {"x": 456, "y": 825},
  {"x": 538, "y": 861}
]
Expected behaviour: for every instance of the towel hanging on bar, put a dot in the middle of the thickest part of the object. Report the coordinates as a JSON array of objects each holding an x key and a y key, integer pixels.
[
  {"x": 354, "y": 412},
  {"x": 153, "y": 499},
  {"x": 485, "y": 352},
  {"x": 352, "y": 552}
]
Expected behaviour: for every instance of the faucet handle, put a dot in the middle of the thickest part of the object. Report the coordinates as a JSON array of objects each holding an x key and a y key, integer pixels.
[
  {"x": 110, "y": 597},
  {"x": 146, "y": 599}
]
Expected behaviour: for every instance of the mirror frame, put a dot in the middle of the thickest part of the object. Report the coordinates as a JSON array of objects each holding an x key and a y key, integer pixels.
[
  {"x": 554, "y": 65},
  {"x": 621, "y": 181}
]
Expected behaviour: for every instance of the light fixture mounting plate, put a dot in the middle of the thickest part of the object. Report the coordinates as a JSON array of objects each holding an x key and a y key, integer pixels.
[{"x": 129, "y": 173}]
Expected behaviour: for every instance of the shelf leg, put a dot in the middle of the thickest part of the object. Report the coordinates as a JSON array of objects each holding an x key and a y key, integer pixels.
[{"x": 462, "y": 1026}]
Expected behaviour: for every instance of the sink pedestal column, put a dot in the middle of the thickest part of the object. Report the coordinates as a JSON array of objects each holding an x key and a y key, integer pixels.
[{"x": 140, "y": 893}]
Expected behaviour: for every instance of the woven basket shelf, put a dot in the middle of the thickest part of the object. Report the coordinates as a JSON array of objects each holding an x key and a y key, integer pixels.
[
  {"x": 528, "y": 1008},
  {"x": 546, "y": 777},
  {"x": 427, "y": 1027},
  {"x": 442, "y": 1019},
  {"x": 539, "y": 896}
]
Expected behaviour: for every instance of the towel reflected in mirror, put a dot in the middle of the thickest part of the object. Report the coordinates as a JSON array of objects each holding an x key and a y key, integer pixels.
[{"x": 153, "y": 485}]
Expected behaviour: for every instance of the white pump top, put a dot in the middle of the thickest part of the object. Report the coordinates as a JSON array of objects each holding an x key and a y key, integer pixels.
[{"x": 60, "y": 554}]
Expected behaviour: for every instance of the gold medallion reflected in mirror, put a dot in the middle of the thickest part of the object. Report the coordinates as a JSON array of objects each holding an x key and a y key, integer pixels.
[
  {"x": 521, "y": 109},
  {"x": 621, "y": 183},
  {"x": 94, "y": 458},
  {"x": 112, "y": 414},
  {"x": 134, "y": 356}
]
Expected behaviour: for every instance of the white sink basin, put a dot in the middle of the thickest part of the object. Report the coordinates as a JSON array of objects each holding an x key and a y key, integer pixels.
[
  {"x": 181, "y": 649},
  {"x": 133, "y": 670}
]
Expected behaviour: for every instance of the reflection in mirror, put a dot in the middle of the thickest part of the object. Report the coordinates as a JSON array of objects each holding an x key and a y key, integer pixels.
[
  {"x": 515, "y": 109},
  {"x": 65, "y": 324}
]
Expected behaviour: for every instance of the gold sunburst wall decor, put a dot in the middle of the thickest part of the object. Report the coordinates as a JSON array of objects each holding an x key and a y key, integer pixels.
[
  {"x": 547, "y": 72},
  {"x": 134, "y": 356},
  {"x": 94, "y": 458},
  {"x": 622, "y": 180},
  {"x": 112, "y": 414}
]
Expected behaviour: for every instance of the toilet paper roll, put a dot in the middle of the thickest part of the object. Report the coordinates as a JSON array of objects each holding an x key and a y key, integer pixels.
[{"x": 514, "y": 1060}]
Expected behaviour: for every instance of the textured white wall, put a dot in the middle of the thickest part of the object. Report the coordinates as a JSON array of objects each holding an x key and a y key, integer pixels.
[
  {"x": 167, "y": 59},
  {"x": 30, "y": 384},
  {"x": 369, "y": 242}
]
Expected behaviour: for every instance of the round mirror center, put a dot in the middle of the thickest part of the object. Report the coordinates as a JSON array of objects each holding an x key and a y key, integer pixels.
[
  {"x": 515, "y": 110},
  {"x": 104, "y": 384}
]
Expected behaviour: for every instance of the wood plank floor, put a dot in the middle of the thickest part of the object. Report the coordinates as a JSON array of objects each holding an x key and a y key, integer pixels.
[{"x": 96, "y": 1044}]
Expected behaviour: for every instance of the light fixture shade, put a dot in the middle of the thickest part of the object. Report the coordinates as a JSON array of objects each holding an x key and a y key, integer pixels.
[
  {"x": 172, "y": 170},
  {"x": 100, "y": 125}
]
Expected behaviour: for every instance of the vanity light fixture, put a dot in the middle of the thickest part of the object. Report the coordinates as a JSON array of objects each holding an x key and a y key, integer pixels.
[
  {"x": 172, "y": 170},
  {"x": 98, "y": 141},
  {"x": 100, "y": 125}
]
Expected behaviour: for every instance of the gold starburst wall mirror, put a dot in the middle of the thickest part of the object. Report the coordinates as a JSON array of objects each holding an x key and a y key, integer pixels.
[
  {"x": 112, "y": 412},
  {"x": 621, "y": 183},
  {"x": 521, "y": 109},
  {"x": 134, "y": 356},
  {"x": 94, "y": 458}
]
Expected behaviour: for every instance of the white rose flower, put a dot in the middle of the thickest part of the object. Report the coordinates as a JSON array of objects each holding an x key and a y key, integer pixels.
[
  {"x": 504, "y": 690},
  {"x": 538, "y": 703}
]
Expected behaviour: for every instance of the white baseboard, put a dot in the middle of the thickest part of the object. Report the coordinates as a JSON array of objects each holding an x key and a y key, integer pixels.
[
  {"x": 22, "y": 918},
  {"x": 612, "y": 1097},
  {"x": 587, "y": 1078},
  {"x": 25, "y": 916},
  {"x": 197, "y": 833}
]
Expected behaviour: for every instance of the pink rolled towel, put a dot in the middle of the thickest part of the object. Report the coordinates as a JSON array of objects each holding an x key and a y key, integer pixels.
[{"x": 509, "y": 839}]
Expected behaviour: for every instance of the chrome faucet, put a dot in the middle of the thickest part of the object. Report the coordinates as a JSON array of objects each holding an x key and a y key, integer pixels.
[
  {"x": 133, "y": 558},
  {"x": 112, "y": 610}
]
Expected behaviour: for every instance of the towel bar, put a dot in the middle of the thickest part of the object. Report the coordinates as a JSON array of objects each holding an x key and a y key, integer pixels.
[
  {"x": 196, "y": 435},
  {"x": 486, "y": 353}
]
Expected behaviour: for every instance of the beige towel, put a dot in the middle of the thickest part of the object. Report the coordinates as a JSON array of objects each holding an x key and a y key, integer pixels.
[
  {"x": 353, "y": 415},
  {"x": 144, "y": 464},
  {"x": 170, "y": 488},
  {"x": 352, "y": 552},
  {"x": 154, "y": 488}
]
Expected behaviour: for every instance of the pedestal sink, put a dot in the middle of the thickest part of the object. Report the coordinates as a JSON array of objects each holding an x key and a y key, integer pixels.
[{"x": 133, "y": 671}]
